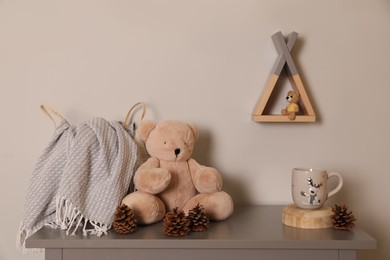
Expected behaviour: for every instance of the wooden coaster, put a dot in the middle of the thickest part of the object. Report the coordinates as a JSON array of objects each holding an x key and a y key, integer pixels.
[{"x": 307, "y": 218}]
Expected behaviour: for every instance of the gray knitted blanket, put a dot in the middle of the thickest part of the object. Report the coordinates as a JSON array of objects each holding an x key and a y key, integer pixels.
[{"x": 80, "y": 178}]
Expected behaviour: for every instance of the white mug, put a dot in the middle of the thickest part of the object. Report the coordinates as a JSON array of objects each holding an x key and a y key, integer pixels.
[{"x": 309, "y": 187}]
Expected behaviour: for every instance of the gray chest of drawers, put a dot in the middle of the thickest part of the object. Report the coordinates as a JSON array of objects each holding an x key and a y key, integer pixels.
[{"x": 253, "y": 232}]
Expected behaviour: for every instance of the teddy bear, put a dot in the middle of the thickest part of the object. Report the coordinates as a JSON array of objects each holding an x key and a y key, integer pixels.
[
  {"x": 171, "y": 178},
  {"x": 292, "y": 108}
]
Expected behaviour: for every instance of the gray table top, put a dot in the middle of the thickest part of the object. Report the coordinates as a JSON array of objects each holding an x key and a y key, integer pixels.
[{"x": 250, "y": 227}]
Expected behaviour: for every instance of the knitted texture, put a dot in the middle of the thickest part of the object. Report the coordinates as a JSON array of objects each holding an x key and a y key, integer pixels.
[{"x": 82, "y": 175}]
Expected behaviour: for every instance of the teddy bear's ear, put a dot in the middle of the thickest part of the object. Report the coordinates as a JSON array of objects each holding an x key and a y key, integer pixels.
[
  {"x": 194, "y": 130},
  {"x": 144, "y": 129}
]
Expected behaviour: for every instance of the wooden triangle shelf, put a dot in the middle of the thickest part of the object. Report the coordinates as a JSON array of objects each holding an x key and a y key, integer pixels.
[{"x": 284, "y": 61}]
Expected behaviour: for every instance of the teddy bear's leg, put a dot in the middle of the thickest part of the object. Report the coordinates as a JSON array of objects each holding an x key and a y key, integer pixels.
[
  {"x": 284, "y": 111},
  {"x": 147, "y": 208},
  {"x": 291, "y": 116},
  {"x": 218, "y": 206}
]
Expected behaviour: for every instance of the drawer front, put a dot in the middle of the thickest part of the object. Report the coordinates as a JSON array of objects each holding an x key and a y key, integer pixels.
[{"x": 196, "y": 254}]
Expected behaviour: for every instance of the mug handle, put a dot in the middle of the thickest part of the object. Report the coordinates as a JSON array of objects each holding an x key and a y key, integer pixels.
[{"x": 339, "y": 185}]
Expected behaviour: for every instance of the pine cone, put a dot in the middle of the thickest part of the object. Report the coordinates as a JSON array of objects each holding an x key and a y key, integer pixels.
[
  {"x": 125, "y": 221},
  {"x": 198, "y": 218},
  {"x": 176, "y": 223},
  {"x": 341, "y": 218}
]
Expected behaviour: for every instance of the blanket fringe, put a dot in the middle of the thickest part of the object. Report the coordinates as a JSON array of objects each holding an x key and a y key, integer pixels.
[
  {"x": 22, "y": 235},
  {"x": 69, "y": 218}
]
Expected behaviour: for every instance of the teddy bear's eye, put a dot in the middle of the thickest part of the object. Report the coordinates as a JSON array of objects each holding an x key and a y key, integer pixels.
[{"x": 165, "y": 142}]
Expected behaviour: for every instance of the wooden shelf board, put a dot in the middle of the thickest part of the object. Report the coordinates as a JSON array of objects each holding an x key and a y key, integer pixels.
[{"x": 285, "y": 119}]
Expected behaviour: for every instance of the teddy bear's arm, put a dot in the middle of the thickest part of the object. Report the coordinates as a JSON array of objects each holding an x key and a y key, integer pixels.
[
  {"x": 205, "y": 179},
  {"x": 151, "y": 178}
]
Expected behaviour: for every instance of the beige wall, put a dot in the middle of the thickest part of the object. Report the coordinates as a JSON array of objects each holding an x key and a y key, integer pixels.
[{"x": 205, "y": 62}]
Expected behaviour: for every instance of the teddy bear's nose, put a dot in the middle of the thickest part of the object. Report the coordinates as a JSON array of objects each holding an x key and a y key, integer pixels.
[{"x": 177, "y": 151}]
